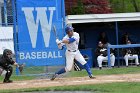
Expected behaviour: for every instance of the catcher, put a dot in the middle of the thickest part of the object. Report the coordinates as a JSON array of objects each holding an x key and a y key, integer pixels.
[{"x": 5, "y": 65}]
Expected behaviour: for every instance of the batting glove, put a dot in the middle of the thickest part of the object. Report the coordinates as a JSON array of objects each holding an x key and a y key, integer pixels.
[{"x": 58, "y": 41}]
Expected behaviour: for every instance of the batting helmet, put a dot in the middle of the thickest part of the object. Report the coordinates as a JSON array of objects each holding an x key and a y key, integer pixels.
[{"x": 69, "y": 28}]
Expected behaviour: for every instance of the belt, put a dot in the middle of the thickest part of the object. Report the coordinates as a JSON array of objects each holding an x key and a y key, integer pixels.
[{"x": 72, "y": 51}]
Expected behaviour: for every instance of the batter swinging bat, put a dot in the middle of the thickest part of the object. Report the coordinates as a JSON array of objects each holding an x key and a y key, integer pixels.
[{"x": 54, "y": 30}]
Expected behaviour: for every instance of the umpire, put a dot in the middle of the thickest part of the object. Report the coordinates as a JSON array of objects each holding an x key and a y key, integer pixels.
[{"x": 5, "y": 65}]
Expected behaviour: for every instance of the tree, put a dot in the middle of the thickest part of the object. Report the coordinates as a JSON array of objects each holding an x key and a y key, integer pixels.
[
  {"x": 79, "y": 9},
  {"x": 87, "y": 6},
  {"x": 135, "y": 5},
  {"x": 97, "y": 6}
]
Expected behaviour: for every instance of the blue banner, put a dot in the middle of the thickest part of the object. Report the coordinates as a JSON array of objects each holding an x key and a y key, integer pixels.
[{"x": 35, "y": 37}]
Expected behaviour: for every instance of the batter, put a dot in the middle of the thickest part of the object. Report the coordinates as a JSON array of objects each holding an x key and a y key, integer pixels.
[{"x": 71, "y": 40}]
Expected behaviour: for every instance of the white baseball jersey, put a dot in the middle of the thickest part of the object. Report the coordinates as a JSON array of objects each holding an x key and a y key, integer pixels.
[
  {"x": 72, "y": 52},
  {"x": 74, "y": 45}
]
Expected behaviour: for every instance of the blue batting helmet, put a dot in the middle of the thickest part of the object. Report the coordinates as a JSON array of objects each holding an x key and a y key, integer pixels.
[{"x": 69, "y": 28}]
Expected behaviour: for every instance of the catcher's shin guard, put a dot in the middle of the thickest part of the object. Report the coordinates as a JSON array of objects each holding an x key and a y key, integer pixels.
[
  {"x": 8, "y": 75},
  {"x": 2, "y": 72},
  {"x": 7, "y": 81}
]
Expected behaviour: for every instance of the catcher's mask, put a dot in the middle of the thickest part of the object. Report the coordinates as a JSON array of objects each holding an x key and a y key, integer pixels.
[{"x": 7, "y": 54}]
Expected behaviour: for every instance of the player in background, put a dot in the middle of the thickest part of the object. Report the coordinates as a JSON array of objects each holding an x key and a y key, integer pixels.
[
  {"x": 130, "y": 54},
  {"x": 101, "y": 53},
  {"x": 71, "y": 40}
]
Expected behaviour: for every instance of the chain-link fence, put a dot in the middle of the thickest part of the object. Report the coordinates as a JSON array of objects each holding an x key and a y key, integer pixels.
[{"x": 6, "y": 13}]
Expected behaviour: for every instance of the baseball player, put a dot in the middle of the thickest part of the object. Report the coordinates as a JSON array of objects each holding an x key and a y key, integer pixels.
[
  {"x": 101, "y": 53},
  {"x": 130, "y": 54},
  {"x": 5, "y": 65},
  {"x": 71, "y": 40}
]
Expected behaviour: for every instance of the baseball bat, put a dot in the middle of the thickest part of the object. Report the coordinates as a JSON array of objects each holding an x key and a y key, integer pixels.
[{"x": 54, "y": 30}]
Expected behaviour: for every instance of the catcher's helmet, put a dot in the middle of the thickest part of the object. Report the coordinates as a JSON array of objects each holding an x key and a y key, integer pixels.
[{"x": 69, "y": 28}]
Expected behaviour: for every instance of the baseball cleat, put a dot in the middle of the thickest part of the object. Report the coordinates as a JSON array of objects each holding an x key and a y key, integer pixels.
[
  {"x": 112, "y": 66},
  {"x": 100, "y": 68},
  {"x": 92, "y": 77},
  {"x": 53, "y": 77},
  {"x": 7, "y": 81}
]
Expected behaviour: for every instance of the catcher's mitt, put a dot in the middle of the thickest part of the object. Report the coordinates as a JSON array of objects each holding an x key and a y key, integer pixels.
[{"x": 21, "y": 67}]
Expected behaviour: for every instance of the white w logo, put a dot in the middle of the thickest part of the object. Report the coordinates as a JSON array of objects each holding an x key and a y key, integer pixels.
[{"x": 42, "y": 19}]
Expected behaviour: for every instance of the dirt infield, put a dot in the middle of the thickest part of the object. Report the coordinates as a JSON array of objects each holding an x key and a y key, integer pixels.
[{"x": 70, "y": 81}]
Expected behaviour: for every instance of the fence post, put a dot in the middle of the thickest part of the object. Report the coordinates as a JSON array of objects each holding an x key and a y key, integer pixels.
[
  {"x": 5, "y": 12},
  {"x": 117, "y": 42},
  {"x": 108, "y": 55},
  {"x": 15, "y": 33}
]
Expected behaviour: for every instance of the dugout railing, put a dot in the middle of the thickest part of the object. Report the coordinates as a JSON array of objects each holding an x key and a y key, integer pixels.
[{"x": 118, "y": 54}]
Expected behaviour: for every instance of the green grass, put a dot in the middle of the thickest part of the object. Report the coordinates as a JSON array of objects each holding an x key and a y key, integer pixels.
[
  {"x": 19, "y": 78},
  {"x": 124, "y": 87},
  {"x": 103, "y": 88},
  {"x": 123, "y": 70},
  {"x": 96, "y": 72}
]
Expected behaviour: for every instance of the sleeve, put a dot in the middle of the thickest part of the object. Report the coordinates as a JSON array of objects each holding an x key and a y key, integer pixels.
[
  {"x": 134, "y": 51},
  {"x": 104, "y": 53},
  {"x": 64, "y": 38},
  {"x": 124, "y": 51},
  {"x": 97, "y": 52},
  {"x": 71, "y": 40},
  {"x": 76, "y": 37}
]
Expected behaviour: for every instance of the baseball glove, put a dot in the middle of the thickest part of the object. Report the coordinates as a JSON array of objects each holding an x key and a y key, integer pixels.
[{"x": 21, "y": 67}]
